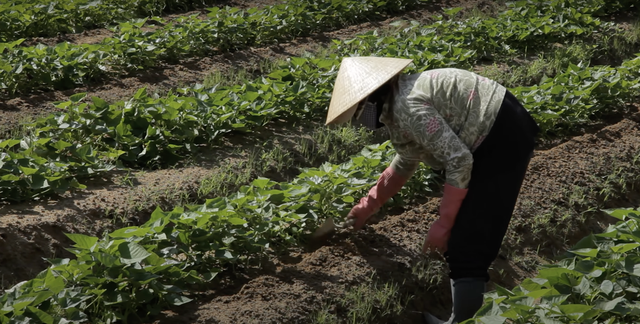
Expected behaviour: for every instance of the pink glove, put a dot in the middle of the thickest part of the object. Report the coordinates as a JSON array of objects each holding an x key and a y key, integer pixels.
[
  {"x": 387, "y": 186},
  {"x": 440, "y": 231}
]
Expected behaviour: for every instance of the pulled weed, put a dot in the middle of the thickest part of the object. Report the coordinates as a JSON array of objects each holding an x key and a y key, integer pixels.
[{"x": 370, "y": 302}]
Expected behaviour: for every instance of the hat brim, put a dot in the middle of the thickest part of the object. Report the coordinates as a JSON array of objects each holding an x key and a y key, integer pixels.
[{"x": 357, "y": 78}]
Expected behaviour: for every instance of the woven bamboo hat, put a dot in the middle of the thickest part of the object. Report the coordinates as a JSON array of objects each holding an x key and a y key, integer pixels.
[{"x": 357, "y": 78}]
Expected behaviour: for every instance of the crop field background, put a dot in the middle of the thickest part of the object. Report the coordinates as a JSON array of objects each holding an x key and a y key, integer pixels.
[{"x": 164, "y": 161}]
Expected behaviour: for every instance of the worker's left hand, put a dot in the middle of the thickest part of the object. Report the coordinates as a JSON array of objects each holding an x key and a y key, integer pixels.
[
  {"x": 440, "y": 231},
  {"x": 437, "y": 237}
]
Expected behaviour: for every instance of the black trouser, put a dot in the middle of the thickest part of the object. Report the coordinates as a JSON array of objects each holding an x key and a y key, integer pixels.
[{"x": 499, "y": 167}]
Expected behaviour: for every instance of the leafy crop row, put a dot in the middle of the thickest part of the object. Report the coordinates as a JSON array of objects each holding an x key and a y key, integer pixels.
[
  {"x": 598, "y": 283},
  {"x": 23, "y": 69},
  {"x": 20, "y": 18},
  {"x": 145, "y": 131},
  {"x": 65, "y": 65},
  {"x": 574, "y": 97},
  {"x": 41, "y": 18},
  {"x": 140, "y": 270},
  {"x": 525, "y": 25}
]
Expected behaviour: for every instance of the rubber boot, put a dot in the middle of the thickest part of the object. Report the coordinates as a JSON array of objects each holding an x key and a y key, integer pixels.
[{"x": 468, "y": 295}]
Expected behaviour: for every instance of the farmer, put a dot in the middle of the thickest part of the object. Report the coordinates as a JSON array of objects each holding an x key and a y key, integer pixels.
[{"x": 453, "y": 120}]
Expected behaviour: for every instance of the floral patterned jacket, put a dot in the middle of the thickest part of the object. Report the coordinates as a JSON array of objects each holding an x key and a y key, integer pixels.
[{"x": 440, "y": 117}]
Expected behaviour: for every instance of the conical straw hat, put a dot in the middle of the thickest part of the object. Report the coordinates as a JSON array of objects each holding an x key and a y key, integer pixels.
[{"x": 357, "y": 78}]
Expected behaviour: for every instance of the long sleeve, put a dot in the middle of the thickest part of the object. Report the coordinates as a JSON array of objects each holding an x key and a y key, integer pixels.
[
  {"x": 431, "y": 131},
  {"x": 440, "y": 117},
  {"x": 403, "y": 166}
]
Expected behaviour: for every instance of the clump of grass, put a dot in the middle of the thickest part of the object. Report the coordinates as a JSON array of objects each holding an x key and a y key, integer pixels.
[
  {"x": 334, "y": 145},
  {"x": 562, "y": 56},
  {"x": 371, "y": 302},
  {"x": 381, "y": 301},
  {"x": 242, "y": 75},
  {"x": 549, "y": 64},
  {"x": 220, "y": 78},
  {"x": 366, "y": 303},
  {"x": 475, "y": 12},
  {"x": 430, "y": 272},
  {"x": 325, "y": 316},
  {"x": 275, "y": 158},
  {"x": 22, "y": 131},
  {"x": 621, "y": 44},
  {"x": 224, "y": 179},
  {"x": 279, "y": 157}
]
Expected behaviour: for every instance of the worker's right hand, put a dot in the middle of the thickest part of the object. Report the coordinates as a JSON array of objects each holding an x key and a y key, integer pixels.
[
  {"x": 360, "y": 213},
  {"x": 388, "y": 184}
]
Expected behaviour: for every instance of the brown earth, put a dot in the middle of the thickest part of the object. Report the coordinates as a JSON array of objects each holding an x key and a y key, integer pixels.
[{"x": 565, "y": 180}]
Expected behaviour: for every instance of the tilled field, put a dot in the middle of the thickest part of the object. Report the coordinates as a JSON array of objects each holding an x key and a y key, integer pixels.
[
  {"x": 37, "y": 227},
  {"x": 187, "y": 72},
  {"x": 564, "y": 182},
  {"x": 287, "y": 290}
]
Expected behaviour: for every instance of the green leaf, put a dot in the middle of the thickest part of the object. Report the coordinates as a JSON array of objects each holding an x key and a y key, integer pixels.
[
  {"x": 261, "y": 183},
  {"x": 21, "y": 303},
  {"x": 606, "y": 286},
  {"x": 83, "y": 241},
  {"x": 40, "y": 315},
  {"x": 583, "y": 287},
  {"x": 539, "y": 293},
  {"x": 141, "y": 93},
  {"x": 632, "y": 265},
  {"x": 620, "y": 213},
  {"x": 503, "y": 291},
  {"x": 145, "y": 295},
  {"x": 78, "y": 97},
  {"x": 348, "y": 199},
  {"x": 10, "y": 177},
  {"x": 452, "y": 11},
  {"x": 492, "y": 319},
  {"x": 610, "y": 304},
  {"x": 9, "y": 143},
  {"x": 554, "y": 275},
  {"x": 132, "y": 252},
  {"x": 554, "y": 299},
  {"x": 177, "y": 300},
  {"x": 586, "y": 247},
  {"x": 208, "y": 276},
  {"x": 122, "y": 130},
  {"x": 61, "y": 145},
  {"x": 114, "y": 297},
  {"x": 586, "y": 252},
  {"x": 43, "y": 141},
  {"x": 624, "y": 248},
  {"x": 574, "y": 308},
  {"x": 99, "y": 103},
  {"x": 39, "y": 182},
  {"x": 55, "y": 284},
  {"x": 237, "y": 221},
  {"x": 131, "y": 231},
  {"x": 27, "y": 171}
]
